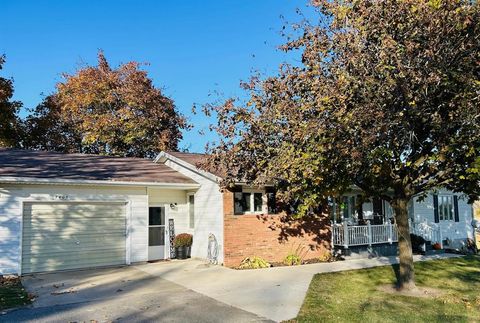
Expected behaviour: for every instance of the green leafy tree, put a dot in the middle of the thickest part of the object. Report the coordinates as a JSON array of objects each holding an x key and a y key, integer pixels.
[
  {"x": 107, "y": 111},
  {"x": 10, "y": 126},
  {"x": 386, "y": 97}
]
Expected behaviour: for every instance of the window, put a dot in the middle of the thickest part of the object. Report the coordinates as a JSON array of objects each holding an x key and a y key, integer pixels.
[
  {"x": 445, "y": 207},
  {"x": 257, "y": 202},
  {"x": 191, "y": 210},
  {"x": 271, "y": 203},
  {"x": 156, "y": 216},
  {"x": 248, "y": 202},
  {"x": 348, "y": 206}
]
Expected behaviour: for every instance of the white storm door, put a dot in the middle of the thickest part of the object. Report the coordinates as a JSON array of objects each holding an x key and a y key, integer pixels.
[{"x": 156, "y": 233}]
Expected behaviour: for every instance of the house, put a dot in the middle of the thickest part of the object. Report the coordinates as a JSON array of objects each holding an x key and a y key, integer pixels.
[
  {"x": 69, "y": 211},
  {"x": 442, "y": 217}
]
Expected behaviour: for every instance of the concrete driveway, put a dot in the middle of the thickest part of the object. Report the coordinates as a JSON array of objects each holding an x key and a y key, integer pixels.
[
  {"x": 119, "y": 294},
  {"x": 179, "y": 291}
]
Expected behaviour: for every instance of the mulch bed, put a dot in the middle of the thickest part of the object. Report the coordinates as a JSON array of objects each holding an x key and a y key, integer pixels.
[{"x": 12, "y": 293}]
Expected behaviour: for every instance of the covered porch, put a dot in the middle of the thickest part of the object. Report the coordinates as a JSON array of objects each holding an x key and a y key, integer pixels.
[{"x": 358, "y": 221}]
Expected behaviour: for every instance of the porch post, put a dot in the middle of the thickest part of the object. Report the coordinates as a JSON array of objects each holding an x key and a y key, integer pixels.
[
  {"x": 390, "y": 232},
  {"x": 345, "y": 234},
  {"x": 369, "y": 233}
]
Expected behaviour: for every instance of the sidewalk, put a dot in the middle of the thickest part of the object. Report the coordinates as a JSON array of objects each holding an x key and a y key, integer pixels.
[{"x": 274, "y": 293}]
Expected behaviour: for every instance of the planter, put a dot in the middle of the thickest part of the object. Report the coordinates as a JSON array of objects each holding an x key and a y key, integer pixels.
[{"x": 183, "y": 252}]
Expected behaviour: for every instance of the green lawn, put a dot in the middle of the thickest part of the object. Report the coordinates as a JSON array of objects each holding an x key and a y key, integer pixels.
[
  {"x": 12, "y": 293},
  {"x": 353, "y": 296}
]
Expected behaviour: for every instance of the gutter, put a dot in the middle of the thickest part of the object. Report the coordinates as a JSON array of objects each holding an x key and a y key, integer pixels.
[{"x": 28, "y": 180}]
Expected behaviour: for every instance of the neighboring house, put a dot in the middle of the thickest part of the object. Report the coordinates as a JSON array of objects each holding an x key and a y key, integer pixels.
[
  {"x": 68, "y": 211},
  {"x": 442, "y": 216}
]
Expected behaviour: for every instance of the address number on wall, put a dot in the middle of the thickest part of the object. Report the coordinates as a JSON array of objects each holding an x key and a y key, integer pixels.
[{"x": 61, "y": 197}]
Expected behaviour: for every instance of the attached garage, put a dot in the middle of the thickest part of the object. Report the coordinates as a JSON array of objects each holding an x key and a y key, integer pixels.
[{"x": 72, "y": 235}]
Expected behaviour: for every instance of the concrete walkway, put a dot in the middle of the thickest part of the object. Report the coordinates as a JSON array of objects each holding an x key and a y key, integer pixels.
[{"x": 274, "y": 293}]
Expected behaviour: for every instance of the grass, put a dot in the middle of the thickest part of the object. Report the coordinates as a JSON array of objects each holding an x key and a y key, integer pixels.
[
  {"x": 12, "y": 293},
  {"x": 353, "y": 296}
]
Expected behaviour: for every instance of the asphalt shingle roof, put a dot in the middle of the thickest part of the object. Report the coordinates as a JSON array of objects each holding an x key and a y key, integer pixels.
[{"x": 53, "y": 165}]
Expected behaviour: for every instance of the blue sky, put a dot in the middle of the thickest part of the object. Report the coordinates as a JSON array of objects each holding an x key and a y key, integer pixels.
[{"x": 193, "y": 47}]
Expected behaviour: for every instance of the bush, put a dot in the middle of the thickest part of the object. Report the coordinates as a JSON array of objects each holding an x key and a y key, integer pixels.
[
  {"x": 437, "y": 246},
  {"x": 183, "y": 240},
  {"x": 292, "y": 260},
  {"x": 326, "y": 257},
  {"x": 253, "y": 263},
  {"x": 417, "y": 242}
]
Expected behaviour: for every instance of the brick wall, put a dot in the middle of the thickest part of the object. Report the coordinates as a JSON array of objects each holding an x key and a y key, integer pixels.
[{"x": 271, "y": 237}]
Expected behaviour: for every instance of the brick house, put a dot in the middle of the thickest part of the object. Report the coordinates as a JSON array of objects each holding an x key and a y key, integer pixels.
[{"x": 247, "y": 223}]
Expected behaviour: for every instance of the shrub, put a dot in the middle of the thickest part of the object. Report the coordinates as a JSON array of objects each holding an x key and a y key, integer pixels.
[
  {"x": 326, "y": 257},
  {"x": 292, "y": 260},
  {"x": 417, "y": 242},
  {"x": 437, "y": 246},
  {"x": 253, "y": 263},
  {"x": 183, "y": 240}
]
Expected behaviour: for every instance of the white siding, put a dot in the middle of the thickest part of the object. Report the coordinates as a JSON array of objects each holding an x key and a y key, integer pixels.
[
  {"x": 208, "y": 212},
  {"x": 11, "y": 197},
  {"x": 423, "y": 210}
]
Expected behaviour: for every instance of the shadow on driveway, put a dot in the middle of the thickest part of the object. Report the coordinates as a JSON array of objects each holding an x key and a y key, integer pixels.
[{"x": 119, "y": 294}]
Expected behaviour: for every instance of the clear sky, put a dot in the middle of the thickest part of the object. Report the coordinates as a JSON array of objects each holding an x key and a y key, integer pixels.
[{"x": 193, "y": 47}]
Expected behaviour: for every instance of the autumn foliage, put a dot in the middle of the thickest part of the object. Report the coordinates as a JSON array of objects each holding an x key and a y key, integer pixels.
[
  {"x": 386, "y": 97},
  {"x": 108, "y": 111}
]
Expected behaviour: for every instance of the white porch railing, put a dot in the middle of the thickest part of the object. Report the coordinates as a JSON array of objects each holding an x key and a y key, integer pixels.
[
  {"x": 356, "y": 235},
  {"x": 427, "y": 232}
]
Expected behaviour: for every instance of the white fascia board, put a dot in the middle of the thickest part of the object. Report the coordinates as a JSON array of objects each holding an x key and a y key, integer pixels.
[
  {"x": 162, "y": 157},
  {"x": 31, "y": 180}
]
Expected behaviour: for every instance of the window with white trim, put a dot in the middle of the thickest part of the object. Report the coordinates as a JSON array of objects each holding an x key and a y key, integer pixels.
[
  {"x": 248, "y": 202},
  {"x": 445, "y": 208},
  {"x": 191, "y": 210}
]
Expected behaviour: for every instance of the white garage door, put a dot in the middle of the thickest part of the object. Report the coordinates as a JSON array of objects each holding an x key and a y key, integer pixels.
[{"x": 68, "y": 235}]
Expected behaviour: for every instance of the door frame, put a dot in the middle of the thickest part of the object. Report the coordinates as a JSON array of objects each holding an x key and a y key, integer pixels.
[
  {"x": 166, "y": 249},
  {"x": 128, "y": 220}
]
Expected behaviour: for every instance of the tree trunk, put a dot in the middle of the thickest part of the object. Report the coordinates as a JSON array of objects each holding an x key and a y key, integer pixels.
[{"x": 406, "y": 274}]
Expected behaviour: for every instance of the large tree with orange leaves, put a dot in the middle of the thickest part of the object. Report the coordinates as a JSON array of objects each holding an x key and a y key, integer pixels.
[
  {"x": 108, "y": 111},
  {"x": 386, "y": 97}
]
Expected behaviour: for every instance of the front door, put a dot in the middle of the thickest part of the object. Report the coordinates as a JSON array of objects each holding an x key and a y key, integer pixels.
[{"x": 156, "y": 233}]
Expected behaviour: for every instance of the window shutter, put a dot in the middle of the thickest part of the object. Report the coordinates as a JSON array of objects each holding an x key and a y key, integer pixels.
[
  {"x": 359, "y": 207},
  {"x": 455, "y": 208},
  {"x": 435, "y": 208},
  {"x": 377, "y": 206}
]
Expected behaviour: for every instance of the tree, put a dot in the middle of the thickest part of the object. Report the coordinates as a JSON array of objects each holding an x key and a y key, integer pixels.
[
  {"x": 9, "y": 121},
  {"x": 107, "y": 111},
  {"x": 386, "y": 98},
  {"x": 47, "y": 130}
]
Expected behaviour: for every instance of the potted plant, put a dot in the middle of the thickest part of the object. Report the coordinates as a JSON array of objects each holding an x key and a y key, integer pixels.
[{"x": 183, "y": 245}]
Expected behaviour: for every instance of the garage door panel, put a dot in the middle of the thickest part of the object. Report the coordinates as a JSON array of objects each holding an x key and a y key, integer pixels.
[
  {"x": 104, "y": 242},
  {"x": 74, "y": 213},
  {"x": 55, "y": 264},
  {"x": 59, "y": 236},
  {"x": 73, "y": 226}
]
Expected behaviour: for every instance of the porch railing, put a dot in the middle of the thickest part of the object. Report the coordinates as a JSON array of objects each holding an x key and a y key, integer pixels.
[
  {"x": 427, "y": 232},
  {"x": 357, "y": 235}
]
